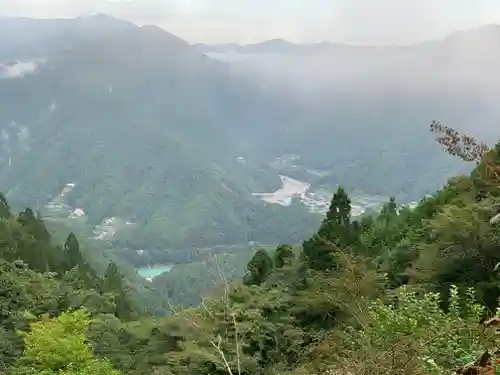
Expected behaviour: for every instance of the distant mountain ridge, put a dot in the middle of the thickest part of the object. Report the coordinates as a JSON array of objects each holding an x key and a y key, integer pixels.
[
  {"x": 153, "y": 131},
  {"x": 364, "y": 106},
  {"x": 145, "y": 127},
  {"x": 279, "y": 45}
]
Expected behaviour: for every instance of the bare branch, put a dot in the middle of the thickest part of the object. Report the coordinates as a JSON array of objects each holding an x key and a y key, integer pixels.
[
  {"x": 237, "y": 344},
  {"x": 229, "y": 317}
]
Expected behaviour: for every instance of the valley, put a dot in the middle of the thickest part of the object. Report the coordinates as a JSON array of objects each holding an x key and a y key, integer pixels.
[
  {"x": 179, "y": 155},
  {"x": 172, "y": 207},
  {"x": 111, "y": 229}
]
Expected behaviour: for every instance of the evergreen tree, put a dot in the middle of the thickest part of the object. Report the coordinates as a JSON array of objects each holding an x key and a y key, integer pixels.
[
  {"x": 319, "y": 253},
  {"x": 89, "y": 276},
  {"x": 34, "y": 225},
  {"x": 335, "y": 232},
  {"x": 283, "y": 256},
  {"x": 497, "y": 153},
  {"x": 4, "y": 207},
  {"x": 72, "y": 254},
  {"x": 259, "y": 268},
  {"x": 340, "y": 208},
  {"x": 113, "y": 284},
  {"x": 389, "y": 210},
  {"x": 113, "y": 280},
  {"x": 392, "y": 207},
  {"x": 336, "y": 227}
]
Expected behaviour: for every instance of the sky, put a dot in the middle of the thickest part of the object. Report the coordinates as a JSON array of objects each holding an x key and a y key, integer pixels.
[{"x": 372, "y": 22}]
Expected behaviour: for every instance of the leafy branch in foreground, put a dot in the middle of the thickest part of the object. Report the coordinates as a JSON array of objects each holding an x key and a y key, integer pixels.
[
  {"x": 456, "y": 144},
  {"x": 470, "y": 149}
]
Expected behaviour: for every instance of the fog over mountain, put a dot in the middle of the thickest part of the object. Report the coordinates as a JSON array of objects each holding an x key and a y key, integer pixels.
[
  {"x": 183, "y": 144},
  {"x": 380, "y": 94},
  {"x": 463, "y": 58},
  {"x": 279, "y": 207}
]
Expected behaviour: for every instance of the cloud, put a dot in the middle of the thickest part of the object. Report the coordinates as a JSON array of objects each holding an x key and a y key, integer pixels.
[
  {"x": 19, "y": 69},
  {"x": 245, "y": 21}
]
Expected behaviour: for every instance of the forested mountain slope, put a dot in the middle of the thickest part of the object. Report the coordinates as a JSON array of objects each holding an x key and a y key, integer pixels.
[
  {"x": 142, "y": 127},
  {"x": 136, "y": 126},
  {"x": 360, "y": 108},
  {"x": 412, "y": 290}
]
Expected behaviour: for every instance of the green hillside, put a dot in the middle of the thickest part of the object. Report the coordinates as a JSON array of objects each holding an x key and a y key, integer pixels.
[
  {"x": 411, "y": 290},
  {"x": 149, "y": 131},
  {"x": 158, "y": 135},
  {"x": 170, "y": 146}
]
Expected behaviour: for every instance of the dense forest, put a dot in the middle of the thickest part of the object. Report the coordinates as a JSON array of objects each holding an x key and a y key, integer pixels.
[
  {"x": 170, "y": 145},
  {"x": 411, "y": 290}
]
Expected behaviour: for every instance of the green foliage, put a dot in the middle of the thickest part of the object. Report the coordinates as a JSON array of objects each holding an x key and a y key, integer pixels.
[
  {"x": 4, "y": 207},
  {"x": 113, "y": 280},
  {"x": 40, "y": 279},
  {"x": 337, "y": 232},
  {"x": 283, "y": 256},
  {"x": 258, "y": 268},
  {"x": 400, "y": 292},
  {"x": 58, "y": 346},
  {"x": 72, "y": 252},
  {"x": 409, "y": 333},
  {"x": 443, "y": 339}
]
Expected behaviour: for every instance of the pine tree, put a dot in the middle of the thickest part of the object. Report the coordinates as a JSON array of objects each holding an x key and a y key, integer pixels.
[
  {"x": 336, "y": 232},
  {"x": 337, "y": 227},
  {"x": 259, "y": 268},
  {"x": 113, "y": 284},
  {"x": 35, "y": 225},
  {"x": 88, "y": 276},
  {"x": 4, "y": 207},
  {"x": 392, "y": 207},
  {"x": 113, "y": 280},
  {"x": 72, "y": 254},
  {"x": 340, "y": 208},
  {"x": 283, "y": 256},
  {"x": 389, "y": 210},
  {"x": 497, "y": 152},
  {"x": 319, "y": 253}
]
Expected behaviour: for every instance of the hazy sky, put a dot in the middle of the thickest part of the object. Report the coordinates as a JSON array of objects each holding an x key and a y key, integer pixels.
[{"x": 246, "y": 21}]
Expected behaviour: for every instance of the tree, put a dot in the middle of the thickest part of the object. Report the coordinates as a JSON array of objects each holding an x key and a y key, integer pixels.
[
  {"x": 340, "y": 208},
  {"x": 283, "y": 256},
  {"x": 337, "y": 226},
  {"x": 59, "y": 346},
  {"x": 113, "y": 284},
  {"x": 389, "y": 210},
  {"x": 413, "y": 335},
  {"x": 336, "y": 232},
  {"x": 464, "y": 252},
  {"x": 72, "y": 254},
  {"x": 113, "y": 280},
  {"x": 35, "y": 225},
  {"x": 497, "y": 151},
  {"x": 259, "y": 268},
  {"x": 319, "y": 253},
  {"x": 4, "y": 207}
]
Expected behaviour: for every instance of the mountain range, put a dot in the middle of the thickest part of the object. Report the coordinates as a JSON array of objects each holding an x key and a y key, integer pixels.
[
  {"x": 378, "y": 101},
  {"x": 176, "y": 139},
  {"x": 140, "y": 126}
]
